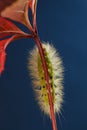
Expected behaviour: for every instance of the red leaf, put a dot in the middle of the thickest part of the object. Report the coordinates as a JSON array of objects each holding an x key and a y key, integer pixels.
[
  {"x": 2, "y": 60},
  {"x": 13, "y": 10},
  {"x": 3, "y": 45},
  {"x": 2, "y": 55},
  {"x": 7, "y": 28},
  {"x": 5, "y": 3}
]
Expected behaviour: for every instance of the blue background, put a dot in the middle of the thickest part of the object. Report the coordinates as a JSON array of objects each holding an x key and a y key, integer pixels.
[{"x": 63, "y": 23}]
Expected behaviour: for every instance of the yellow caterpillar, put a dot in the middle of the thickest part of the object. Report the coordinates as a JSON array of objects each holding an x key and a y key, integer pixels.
[{"x": 55, "y": 70}]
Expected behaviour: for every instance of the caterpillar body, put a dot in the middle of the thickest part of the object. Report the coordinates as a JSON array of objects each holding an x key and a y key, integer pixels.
[{"x": 55, "y": 69}]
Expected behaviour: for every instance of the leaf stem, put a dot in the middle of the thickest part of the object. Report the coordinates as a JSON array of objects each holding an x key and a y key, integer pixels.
[
  {"x": 34, "y": 8},
  {"x": 27, "y": 18},
  {"x": 15, "y": 37}
]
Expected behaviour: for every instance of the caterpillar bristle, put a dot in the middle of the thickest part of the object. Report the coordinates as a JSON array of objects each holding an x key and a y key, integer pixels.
[{"x": 55, "y": 70}]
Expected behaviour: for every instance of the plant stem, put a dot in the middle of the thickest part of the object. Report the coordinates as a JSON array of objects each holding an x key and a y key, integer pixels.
[
  {"x": 46, "y": 74},
  {"x": 41, "y": 52}
]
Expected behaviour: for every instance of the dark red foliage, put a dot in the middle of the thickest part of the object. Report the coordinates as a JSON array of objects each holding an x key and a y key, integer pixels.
[
  {"x": 5, "y": 3},
  {"x": 2, "y": 60},
  {"x": 7, "y": 28},
  {"x": 2, "y": 54}
]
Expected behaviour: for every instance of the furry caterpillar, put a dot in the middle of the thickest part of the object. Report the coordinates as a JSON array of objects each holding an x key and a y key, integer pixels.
[{"x": 55, "y": 70}]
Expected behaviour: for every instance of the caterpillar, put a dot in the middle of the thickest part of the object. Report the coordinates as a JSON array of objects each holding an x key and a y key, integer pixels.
[{"x": 55, "y": 69}]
